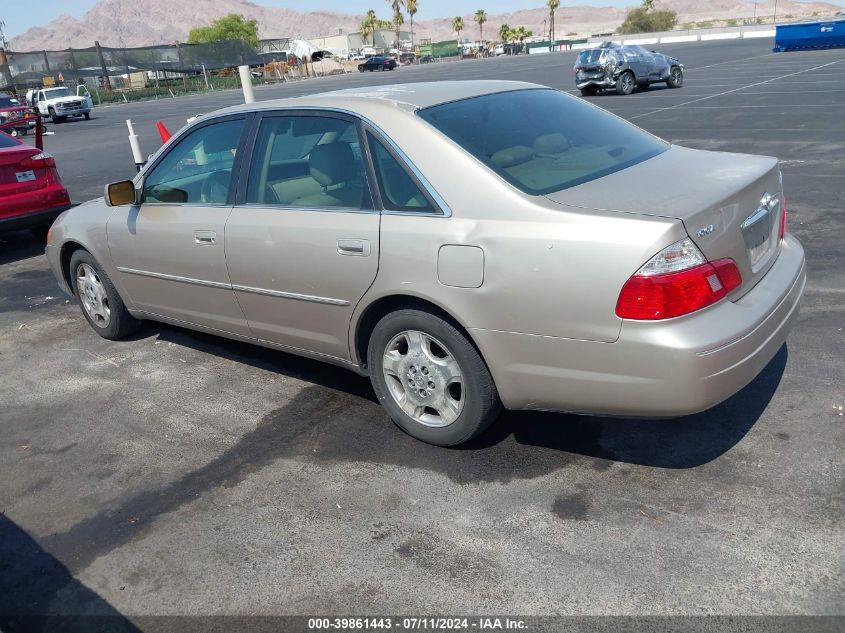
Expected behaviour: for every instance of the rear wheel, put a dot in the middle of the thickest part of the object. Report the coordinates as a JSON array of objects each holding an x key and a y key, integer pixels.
[
  {"x": 102, "y": 306},
  {"x": 589, "y": 91},
  {"x": 625, "y": 84},
  {"x": 676, "y": 77},
  {"x": 430, "y": 379}
]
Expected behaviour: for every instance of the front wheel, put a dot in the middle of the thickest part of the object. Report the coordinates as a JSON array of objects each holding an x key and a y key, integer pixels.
[
  {"x": 589, "y": 91},
  {"x": 676, "y": 78},
  {"x": 87, "y": 116},
  {"x": 625, "y": 84},
  {"x": 430, "y": 379},
  {"x": 101, "y": 305},
  {"x": 54, "y": 117}
]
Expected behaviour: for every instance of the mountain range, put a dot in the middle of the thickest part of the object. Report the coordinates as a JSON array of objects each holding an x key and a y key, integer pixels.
[{"x": 121, "y": 23}]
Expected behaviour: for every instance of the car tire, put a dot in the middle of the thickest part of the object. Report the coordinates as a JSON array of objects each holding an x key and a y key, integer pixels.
[
  {"x": 676, "y": 77},
  {"x": 422, "y": 351},
  {"x": 626, "y": 83},
  {"x": 98, "y": 299},
  {"x": 589, "y": 91},
  {"x": 53, "y": 117},
  {"x": 87, "y": 116},
  {"x": 13, "y": 132}
]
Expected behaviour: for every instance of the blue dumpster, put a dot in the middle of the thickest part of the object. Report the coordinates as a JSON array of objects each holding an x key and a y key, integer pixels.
[{"x": 807, "y": 35}]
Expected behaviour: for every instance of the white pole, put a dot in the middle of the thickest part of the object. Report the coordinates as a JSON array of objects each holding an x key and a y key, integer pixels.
[
  {"x": 205, "y": 76},
  {"x": 246, "y": 84},
  {"x": 136, "y": 147}
]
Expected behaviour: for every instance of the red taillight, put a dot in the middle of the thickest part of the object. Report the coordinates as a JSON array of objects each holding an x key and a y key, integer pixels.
[
  {"x": 663, "y": 296},
  {"x": 38, "y": 161},
  {"x": 782, "y": 216}
]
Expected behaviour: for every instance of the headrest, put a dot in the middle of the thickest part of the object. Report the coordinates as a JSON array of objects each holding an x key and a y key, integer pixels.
[
  {"x": 512, "y": 156},
  {"x": 332, "y": 164},
  {"x": 551, "y": 144}
]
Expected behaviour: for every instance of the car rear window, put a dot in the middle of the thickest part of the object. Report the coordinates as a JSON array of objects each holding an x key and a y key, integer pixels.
[
  {"x": 542, "y": 140},
  {"x": 589, "y": 57},
  {"x": 7, "y": 141}
]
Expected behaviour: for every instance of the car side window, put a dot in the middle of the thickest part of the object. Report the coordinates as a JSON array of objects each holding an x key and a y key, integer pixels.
[
  {"x": 309, "y": 162},
  {"x": 398, "y": 190},
  {"x": 198, "y": 170}
]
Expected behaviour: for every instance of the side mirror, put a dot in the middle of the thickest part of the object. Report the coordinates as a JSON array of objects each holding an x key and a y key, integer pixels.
[{"x": 121, "y": 193}]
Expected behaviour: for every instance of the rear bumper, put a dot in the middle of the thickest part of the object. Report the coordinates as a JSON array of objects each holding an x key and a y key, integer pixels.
[
  {"x": 664, "y": 369},
  {"x": 31, "y": 220},
  {"x": 599, "y": 82}
]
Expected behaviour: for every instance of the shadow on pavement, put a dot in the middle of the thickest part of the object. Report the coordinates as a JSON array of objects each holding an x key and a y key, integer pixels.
[
  {"x": 18, "y": 245},
  {"x": 38, "y": 593},
  {"x": 684, "y": 442}
]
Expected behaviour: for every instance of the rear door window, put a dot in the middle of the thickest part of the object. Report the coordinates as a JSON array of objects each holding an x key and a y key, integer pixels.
[
  {"x": 309, "y": 162},
  {"x": 542, "y": 140}
]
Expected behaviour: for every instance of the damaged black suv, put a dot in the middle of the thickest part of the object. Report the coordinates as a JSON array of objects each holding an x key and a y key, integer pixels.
[{"x": 613, "y": 66}]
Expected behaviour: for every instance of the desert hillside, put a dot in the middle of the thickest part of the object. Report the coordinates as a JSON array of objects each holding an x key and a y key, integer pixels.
[{"x": 146, "y": 22}]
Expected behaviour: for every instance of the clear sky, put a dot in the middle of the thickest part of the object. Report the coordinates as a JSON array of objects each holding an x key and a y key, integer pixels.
[{"x": 19, "y": 16}]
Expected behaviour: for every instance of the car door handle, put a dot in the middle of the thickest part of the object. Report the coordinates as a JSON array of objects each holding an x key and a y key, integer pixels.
[
  {"x": 356, "y": 248},
  {"x": 205, "y": 237}
]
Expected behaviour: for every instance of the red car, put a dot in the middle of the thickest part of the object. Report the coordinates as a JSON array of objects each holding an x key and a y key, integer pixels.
[
  {"x": 15, "y": 118},
  {"x": 31, "y": 192}
]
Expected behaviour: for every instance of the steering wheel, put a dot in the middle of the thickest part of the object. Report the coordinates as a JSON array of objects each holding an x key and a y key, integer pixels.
[{"x": 215, "y": 187}]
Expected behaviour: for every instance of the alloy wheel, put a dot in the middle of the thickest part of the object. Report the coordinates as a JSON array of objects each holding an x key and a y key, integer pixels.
[
  {"x": 93, "y": 294},
  {"x": 424, "y": 378}
]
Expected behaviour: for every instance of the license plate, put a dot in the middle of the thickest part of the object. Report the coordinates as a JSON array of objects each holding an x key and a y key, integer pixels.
[
  {"x": 757, "y": 232},
  {"x": 25, "y": 176}
]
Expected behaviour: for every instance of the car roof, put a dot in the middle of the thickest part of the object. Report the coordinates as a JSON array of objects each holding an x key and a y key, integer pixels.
[{"x": 405, "y": 96}]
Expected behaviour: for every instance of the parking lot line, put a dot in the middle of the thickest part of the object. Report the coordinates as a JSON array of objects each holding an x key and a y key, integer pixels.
[{"x": 726, "y": 92}]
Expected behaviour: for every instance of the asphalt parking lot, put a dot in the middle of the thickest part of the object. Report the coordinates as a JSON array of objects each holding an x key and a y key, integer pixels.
[{"x": 177, "y": 473}]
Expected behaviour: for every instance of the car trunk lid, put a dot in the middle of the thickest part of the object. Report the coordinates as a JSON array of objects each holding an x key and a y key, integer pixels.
[
  {"x": 16, "y": 178},
  {"x": 730, "y": 204}
]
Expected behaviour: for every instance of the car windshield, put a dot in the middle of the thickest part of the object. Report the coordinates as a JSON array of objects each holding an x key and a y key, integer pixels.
[
  {"x": 6, "y": 102},
  {"x": 542, "y": 140},
  {"x": 57, "y": 92}
]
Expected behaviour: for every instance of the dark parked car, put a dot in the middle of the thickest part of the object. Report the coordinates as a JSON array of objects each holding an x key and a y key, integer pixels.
[
  {"x": 16, "y": 119},
  {"x": 377, "y": 63},
  {"x": 624, "y": 69}
]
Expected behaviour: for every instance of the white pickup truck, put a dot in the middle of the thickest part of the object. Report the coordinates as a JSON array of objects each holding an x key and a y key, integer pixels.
[{"x": 60, "y": 103}]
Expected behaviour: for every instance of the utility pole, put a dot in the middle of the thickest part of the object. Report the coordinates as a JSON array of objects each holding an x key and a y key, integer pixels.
[
  {"x": 106, "y": 80},
  {"x": 4, "y": 43}
]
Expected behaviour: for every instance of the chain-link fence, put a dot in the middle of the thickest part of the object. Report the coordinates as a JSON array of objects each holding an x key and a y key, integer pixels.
[{"x": 123, "y": 74}]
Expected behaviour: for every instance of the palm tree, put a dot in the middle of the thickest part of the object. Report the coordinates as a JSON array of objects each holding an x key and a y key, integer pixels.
[
  {"x": 505, "y": 34},
  {"x": 411, "y": 8},
  {"x": 552, "y": 4},
  {"x": 368, "y": 26},
  {"x": 458, "y": 26},
  {"x": 480, "y": 17},
  {"x": 396, "y": 5},
  {"x": 519, "y": 34}
]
